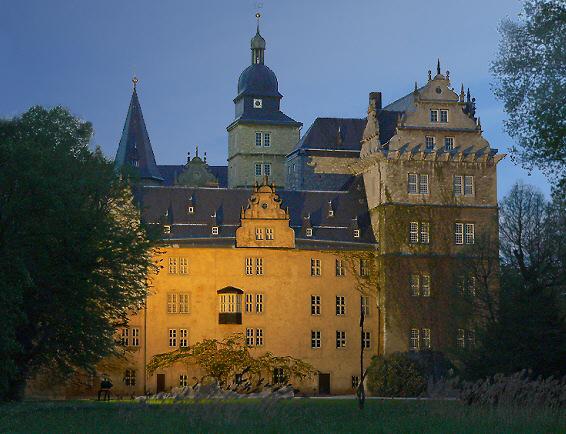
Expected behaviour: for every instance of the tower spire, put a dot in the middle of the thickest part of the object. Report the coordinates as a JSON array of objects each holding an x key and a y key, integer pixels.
[
  {"x": 438, "y": 67},
  {"x": 258, "y": 45}
]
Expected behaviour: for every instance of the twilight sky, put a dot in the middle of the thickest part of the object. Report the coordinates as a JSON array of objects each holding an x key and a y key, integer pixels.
[{"x": 188, "y": 54}]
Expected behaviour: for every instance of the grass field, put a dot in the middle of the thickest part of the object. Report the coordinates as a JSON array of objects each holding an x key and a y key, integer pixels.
[{"x": 305, "y": 415}]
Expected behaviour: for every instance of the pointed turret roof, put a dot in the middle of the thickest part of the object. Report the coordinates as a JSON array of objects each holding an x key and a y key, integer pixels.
[{"x": 135, "y": 149}]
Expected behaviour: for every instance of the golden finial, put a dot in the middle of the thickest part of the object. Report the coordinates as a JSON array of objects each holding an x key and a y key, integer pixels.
[{"x": 135, "y": 81}]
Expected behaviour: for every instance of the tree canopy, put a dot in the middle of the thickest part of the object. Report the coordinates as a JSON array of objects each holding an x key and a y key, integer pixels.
[{"x": 73, "y": 254}]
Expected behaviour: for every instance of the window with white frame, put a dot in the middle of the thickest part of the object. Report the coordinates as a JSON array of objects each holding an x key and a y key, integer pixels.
[
  {"x": 183, "y": 338},
  {"x": 419, "y": 233},
  {"x": 444, "y": 116},
  {"x": 249, "y": 337},
  {"x": 214, "y": 230},
  {"x": 130, "y": 377},
  {"x": 183, "y": 265},
  {"x": 259, "y": 266},
  {"x": 172, "y": 265},
  {"x": 259, "y": 303},
  {"x": 412, "y": 183},
  {"x": 356, "y": 233},
  {"x": 340, "y": 339},
  {"x": 448, "y": 143},
  {"x": 464, "y": 233},
  {"x": 414, "y": 340},
  {"x": 266, "y": 139},
  {"x": 468, "y": 185},
  {"x": 177, "y": 302},
  {"x": 366, "y": 340},
  {"x": 269, "y": 234},
  {"x": 413, "y": 232},
  {"x": 364, "y": 267},
  {"x": 124, "y": 337},
  {"x": 308, "y": 232},
  {"x": 434, "y": 115},
  {"x": 230, "y": 303},
  {"x": 259, "y": 233},
  {"x": 183, "y": 380},
  {"x": 426, "y": 339},
  {"x": 171, "y": 303},
  {"x": 190, "y": 209},
  {"x": 267, "y": 169},
  {"x": 463, "y": 185},
  {"x": 258, "y": 337},
  {"x": 424, "y": 233},
  {"x": 315, "y": 339},
  {"x": 339, "y": 267},
  {"x": 183, "y": 303},
  {"x": 258, "y": 169},
  {"x": 340, "y": 305},
  {"x": 365, "y": 304},
  {"x": 249, "y": 303},
  {"x": 249, "y": 266},
  {"x": 316, "y": 269},
  {"x": 423, "y": 183},
  {"x": 135, "y": 337},
  {"x": 315, "y": 304},
  {"x": 173, "y": 338},
  {"x": 430, "y": 142},
  {"x": 258, "y": 139}
]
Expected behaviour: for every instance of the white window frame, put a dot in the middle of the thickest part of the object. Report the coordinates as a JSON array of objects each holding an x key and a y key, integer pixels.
[
  {"x": 135, "y": 337},
  {"x": 315, "y": 305},
  {"x": 413, "y": 232},
  {"x": 171, "y": 302},
  {"x": 308, "y": 232},
  {"x": 266, "y": 139},
  {"x": 366, "y": 340},
  {"x": 124, "y": 339},
  {"x": 365, "y": 305},
  {"x": 250, "y": 337},
  {"x": 459, "y": 233},
  {"x": 430, "y": 142},
  {"x": 448, "y": 143},
  {"x": 258, "y": 139},
  {"x": 258, "y": 337},
  {"x": 214, "y": 230},
  {"x": 183, "y": 338},
  {"x": 340, "y": 339},
  {"x": 469, "y": 189},
  {"x": 316, "y": 267},
  {"x": 267, "y": 169},
  {"x": 433, "y": 117},
  {"x": 340, "y": 305},
  {"x": 249, "y": 302},
  {"x": 316, "y": 339},
  {"x": 184, "y": 302},
  {"x": 443, "y": 116},
  {"x": 172, "y": 265},
  {"x": 259, "y": 266},
  {"x": 412, "y": 183},
  {"x": 415, "y": 284},
  {"x": 469, "y": 233},
  {"x": 414, "y": 340},
  {"x": 340, "y": 271},
  {"x": 426, "y": 339},
  {"x": 259, "y": 303},
  {"x": 183, "y": 380},
  {"x": 364, "y": 267},
  {"x": 423, "y": 184},
  {"x": 424, "y": 233},
  {"x": 458, "y": 185},
  {"x": 172, "y": 338},
  {"x": 130, "y": 377},
  {"x": 356, "y": 233},
  {"x": 249, "y": 266},
  {"x": 256, "y": 171},
  {"x": 425, "y": 285},
  {"x": 183, "y": 265}
]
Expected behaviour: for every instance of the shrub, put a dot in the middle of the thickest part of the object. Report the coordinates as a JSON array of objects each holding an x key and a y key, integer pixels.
[{"x": 395, "y": 375}]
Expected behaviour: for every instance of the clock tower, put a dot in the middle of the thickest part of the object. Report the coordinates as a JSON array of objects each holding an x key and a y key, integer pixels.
[{"x": 261, "y": 135}]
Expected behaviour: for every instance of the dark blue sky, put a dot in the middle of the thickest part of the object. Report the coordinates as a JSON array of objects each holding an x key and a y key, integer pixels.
[{"x": 327, "y": 54}]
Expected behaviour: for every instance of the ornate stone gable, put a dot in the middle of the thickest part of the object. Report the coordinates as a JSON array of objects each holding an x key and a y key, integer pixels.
[{"x": 264, "y": 223}]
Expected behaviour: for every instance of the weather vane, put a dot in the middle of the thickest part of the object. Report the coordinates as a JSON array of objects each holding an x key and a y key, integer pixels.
[{"x": 135, "y": 81}]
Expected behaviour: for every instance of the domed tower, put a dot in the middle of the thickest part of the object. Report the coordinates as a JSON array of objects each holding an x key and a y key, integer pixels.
[{"x": 261, "y": 135}]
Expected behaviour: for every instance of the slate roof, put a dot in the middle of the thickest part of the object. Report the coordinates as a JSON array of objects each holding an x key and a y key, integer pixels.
[
  {"x": 275, "y": 117},
  {"x": 349, "y": 207},
  {"x": 323, "y": 133},
  {"x": 258, "y": 80},
  {"x": 170, "y": 173}
]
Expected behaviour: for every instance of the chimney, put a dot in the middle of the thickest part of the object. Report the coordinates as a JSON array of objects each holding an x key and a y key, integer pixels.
[{"x": 375, "y": 100}]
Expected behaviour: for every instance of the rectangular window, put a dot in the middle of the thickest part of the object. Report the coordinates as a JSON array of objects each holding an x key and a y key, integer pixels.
[
  {"x": 444, "y": 116},
  {"x": 183, "y": 380},
  {"x": 183, "y": 338},
  {"x": 135, "y": 337},
  {"x": 423, "y": 183},
  {"x": 249, "y": 303},
  {"x": 308, "y": 232},
  {"x": 412, "y": 179},
  {"x": 414, "y": 283},
  {"x": 279, "y": 376},
  {"x": 458, "y": 185},
  {"x": 230, "y": 303},
  {"x": 414, "y": 340},
  {"x": 315, "y": 338},
  {"x": 259, "y": 303},
  {"x": 434, "y": 115},
  {"x": 468, "y": 185},
  {"x": 340, "y": 305},
  {"x": 269, "y": 233},
  {"x": 267, "y": 169},
  {"x": 258, "y": 337},
  {"x": 266, "y": 139},
  {"x": 250, "y": 337},
  {"x": 413, "y": 232},
  {"x": 257, "y": 169},
  {"x": 315, "y": 267},
  {"x": 315, "y": 304},
  {"x": 171, "y": 303},
  {"x": 259, "y": 266},
  {"x": 426, "y": 339},
  {"x": 130, "y": 377},
  {"x": 172, "y": 265},
  {"x": 183, "y": 265},
  {"x": 339, "y": 267},
  {"x": 355, "y": 381},
  {"x": 173, "y": 338},
  {"x": 425, "y": 236},
  {"x": 461, "y": 338},
  {"x": 214, "y": 230},
  {"x": 366, "y": 340},
  {"x": 429, "y": 142},
  {"x": 448, "y": 143},
  {"x": 425, "y": 285},
  {"x": 249, "y": 266},
  {"x": 364, "y": 267},
  {"x": 469, "y": 233},
  {"x": 340, "y": 339},
  {"x": 124, "y": 337},
  {"x": 183, "y": 303},
  {"x": 258, "y": 139},
  {"x": 259, "y": 233},
  {"x": 356, "y": 233},
  {"x": 166, "y": 229},
  {"x": 459, "y": 233},
  {"x": 364, "y": 300}
]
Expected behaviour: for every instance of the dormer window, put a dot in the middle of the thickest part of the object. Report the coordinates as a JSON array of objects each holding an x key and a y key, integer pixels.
[
  {"x": 166, "y": 229},
  {"x": 258, "y": 103},
  {"x": 214, "y": 230},
  {"x": 191, "y": 209},
  {"x": 356, "y": 233},
  {"x": 308, "y": 232},
  {"x": 330, "y": 213}
]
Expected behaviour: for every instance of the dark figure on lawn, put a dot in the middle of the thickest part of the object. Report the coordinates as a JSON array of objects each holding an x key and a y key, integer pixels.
[{"x": 105, "y": 386}]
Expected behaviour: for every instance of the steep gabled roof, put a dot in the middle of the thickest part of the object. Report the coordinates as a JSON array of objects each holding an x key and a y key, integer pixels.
[{"x": 135, "y": 148}]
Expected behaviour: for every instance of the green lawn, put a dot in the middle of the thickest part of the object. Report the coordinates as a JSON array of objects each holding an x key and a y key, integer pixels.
[{"x": 306, "y": 415}]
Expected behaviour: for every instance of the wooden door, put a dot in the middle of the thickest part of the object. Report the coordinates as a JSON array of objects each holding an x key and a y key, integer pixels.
[
  {"x": 160, "y": 383},
  {"x": 323, "y": 384}
]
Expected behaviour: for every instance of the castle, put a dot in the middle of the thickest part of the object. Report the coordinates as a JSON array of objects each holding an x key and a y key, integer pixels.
[{"x": 297, "y": 236}]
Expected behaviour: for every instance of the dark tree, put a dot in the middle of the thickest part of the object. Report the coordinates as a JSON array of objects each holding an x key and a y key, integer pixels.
[
  {"x": 530, "y": 72},
  {"x": 74, "y": 257}
]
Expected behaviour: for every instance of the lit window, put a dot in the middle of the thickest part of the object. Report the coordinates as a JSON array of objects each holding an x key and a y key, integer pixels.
[
  {"x": 468, "y": 185},
  {"x": 266, "y": 139},
  {"x": 183, "y": 265},
  {"x": 124, "y": 340},
  {"x": 259, "y": 303},
  {"x": 172, "y": 265},
  {"x": 130, "y": 377},
  {"x": 366, "y": 340},
  {"x": 267, "y": 169},
  {"x": 339, "y": 267},
  {"x": 259, "y": 337},
  {"x": 166, "y": 229},
  {"x": 426, "y": 339},
  {"x": 135, "y": 337},
  {"x": 269, "y": 233},
  {"x": 259, "y": 233},
  {"x": 340, "y": 305},
  {"x": 429, "y": 142},
  {"x": 308, "y": 232},
  {"x": 183, "y": 338},
  {"x": 250, "y": 337},
  {"x": 171, "y": 303},
  {"x": 257, "y": 169},
  {"x": 356, "y": 233},
  {"x": 173, "y": 338},
  {"x": 340, "y": 339},
  {"x": 249, "y": 266},
  {"x": 364, "y": 267},
  {"x": 249, "y": 303},
  {"x": 448, "y": 143},
  {"x": 190, "y": 209},
  {"x": 414, "y": 340},
  {"x": 214, "y": 230},
  {"x": 315, "y": 304},
  {"x": 444, "y": 116},
  {"x": 230, "y": 303},
  {"x": 315, "y": 267},
  {"x": 364, "y": 300},
  {"x": 434, "y": 115},
  {"x": 259, "y": 266},
  {"x": 423, "y": 184},
  {"x": 183, "y": 380},
  {"x": 258, "y": 139},
  {"x": 412, "y": 183},
  {"x": 315, "y": 338}
]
